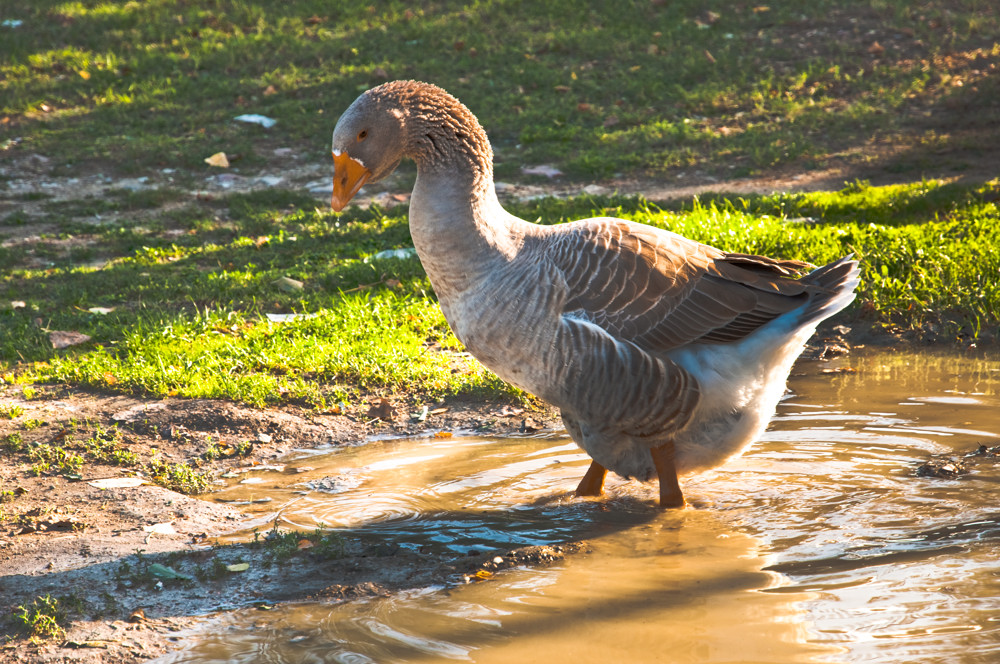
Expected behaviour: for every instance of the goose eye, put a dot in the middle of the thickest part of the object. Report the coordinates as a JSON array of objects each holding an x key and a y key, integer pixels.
[{"x": 363, "y": 135}]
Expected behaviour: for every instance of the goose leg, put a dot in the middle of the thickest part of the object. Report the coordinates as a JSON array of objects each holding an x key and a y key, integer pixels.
[
  {"x": 670, "y": 489},
  {"x": 592, "y": 483}
]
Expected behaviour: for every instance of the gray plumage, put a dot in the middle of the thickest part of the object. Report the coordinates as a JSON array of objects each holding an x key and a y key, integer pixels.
[{"x": 642, "y": 338}]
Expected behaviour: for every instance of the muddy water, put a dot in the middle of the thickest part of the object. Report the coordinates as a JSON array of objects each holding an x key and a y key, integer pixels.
[{"x": 820, "y": 544}]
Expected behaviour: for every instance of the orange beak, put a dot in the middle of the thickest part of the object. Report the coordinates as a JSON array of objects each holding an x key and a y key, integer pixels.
[{"x": 349, "y": 175}]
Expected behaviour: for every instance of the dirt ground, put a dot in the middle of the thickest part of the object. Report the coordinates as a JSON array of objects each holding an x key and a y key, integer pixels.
[{"x": 77, "y": 542}]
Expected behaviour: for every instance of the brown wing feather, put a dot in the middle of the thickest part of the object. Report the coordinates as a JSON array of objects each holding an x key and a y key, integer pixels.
[{"x": 661, "y": 291}]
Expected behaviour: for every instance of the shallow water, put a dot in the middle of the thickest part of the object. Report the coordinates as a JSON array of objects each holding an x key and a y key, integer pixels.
[{"x": 820, "y": 544}]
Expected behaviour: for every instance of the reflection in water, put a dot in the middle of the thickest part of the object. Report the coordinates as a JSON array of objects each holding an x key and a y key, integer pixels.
[{"x": 819, "y": 545}]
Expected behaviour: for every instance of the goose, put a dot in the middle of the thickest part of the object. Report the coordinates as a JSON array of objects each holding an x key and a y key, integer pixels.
[{"x": 664, "y": 356}]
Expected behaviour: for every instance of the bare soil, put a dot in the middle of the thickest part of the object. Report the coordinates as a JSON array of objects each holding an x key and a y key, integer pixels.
[{"x": 66, "y": 538}]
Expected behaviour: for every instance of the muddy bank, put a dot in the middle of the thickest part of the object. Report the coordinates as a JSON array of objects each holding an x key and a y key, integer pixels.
[{"x": 132, "y": 565}]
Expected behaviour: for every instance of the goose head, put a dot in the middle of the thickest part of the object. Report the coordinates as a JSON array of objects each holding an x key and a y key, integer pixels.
[
  {"x": 367, "y": 146},
  {"x": 407, "y": 119}
]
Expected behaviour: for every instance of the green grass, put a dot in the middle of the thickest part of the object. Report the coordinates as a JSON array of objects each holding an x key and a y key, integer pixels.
[
  {"x": 43, "y": 619},
  {"x": 190, "y": 312},
  {"x": 175, "y": 291},
  {"x": 734, "y": 88},
  {"x": 67, "y": 456}
]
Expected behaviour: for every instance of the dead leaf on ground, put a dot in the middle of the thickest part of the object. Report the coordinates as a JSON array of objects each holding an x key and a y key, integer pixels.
[
  {"x": 218, "y": 159},
  {"x": 166, "y": 528},
  {"x": 65, "y": 339},
  {"x": 164, "y": 572},
  {"x": 529, "y": 425},
  {"x": 382, "y": 410},
  {"x": 288, "y": 284}
]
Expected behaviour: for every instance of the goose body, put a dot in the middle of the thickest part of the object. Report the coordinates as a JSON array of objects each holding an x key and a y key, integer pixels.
[{"x": 665, "y": 356}]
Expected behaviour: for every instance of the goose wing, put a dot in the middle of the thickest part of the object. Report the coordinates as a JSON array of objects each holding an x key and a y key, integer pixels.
[{"x": 662, "y": 291}]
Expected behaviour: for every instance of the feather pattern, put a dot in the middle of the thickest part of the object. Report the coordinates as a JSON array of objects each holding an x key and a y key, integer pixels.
[{"x": 641, "y": 337}]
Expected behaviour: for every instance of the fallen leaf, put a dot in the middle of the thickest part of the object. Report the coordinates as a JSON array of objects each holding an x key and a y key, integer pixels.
[
  {"x": 304, "y": 544},
  {"x": 382, "y": 410},
  {"x": 164, "y": 572},
  {"x": 709, "y": 56},
  {"x": 62, "y": 339},
  {"x": 562, "y": 88},
  {"x": 238, "y": 567},
  {"x": 443, "y": 434},
  {"x": 288, "y": 284},
  {"x": 84, "y": 74},
  {"x": 17, "y": 304},
  {"x": 876, "y": 49},
  {"x": 101, "y": 310},
  {"x": 611, "y": 121},
  {"x": 218, "y": 159},
  {"x": 166, "y": 528},
  {"x": 528, "y": 425}
]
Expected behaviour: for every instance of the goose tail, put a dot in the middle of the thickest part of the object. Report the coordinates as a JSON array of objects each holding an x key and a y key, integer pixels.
[{"x": 836, "y": 283}]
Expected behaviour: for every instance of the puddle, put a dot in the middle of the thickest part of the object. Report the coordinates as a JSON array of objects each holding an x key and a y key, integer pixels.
[{"x": 819, "y": 545}]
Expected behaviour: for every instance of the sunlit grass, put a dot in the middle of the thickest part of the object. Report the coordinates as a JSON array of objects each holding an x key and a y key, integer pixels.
[
  {"x": 186, "y": 314},
  {"x": 735, "y": 88}
]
